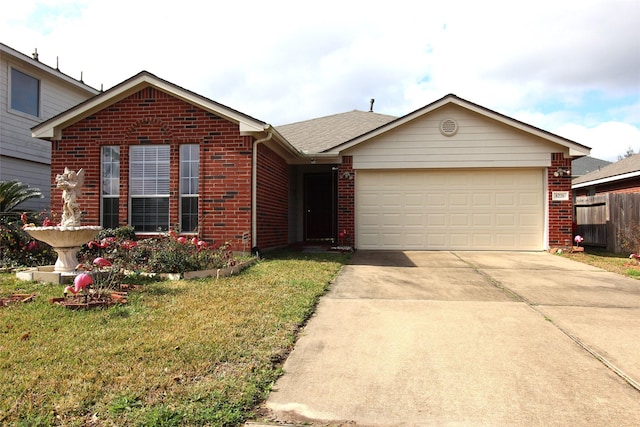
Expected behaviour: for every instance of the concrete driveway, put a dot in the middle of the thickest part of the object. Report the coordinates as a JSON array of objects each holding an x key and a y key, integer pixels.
[{"x": 467, "y": 338}]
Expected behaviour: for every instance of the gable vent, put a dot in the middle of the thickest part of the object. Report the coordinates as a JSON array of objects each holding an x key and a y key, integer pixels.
[{"x": 448, "y": 127}]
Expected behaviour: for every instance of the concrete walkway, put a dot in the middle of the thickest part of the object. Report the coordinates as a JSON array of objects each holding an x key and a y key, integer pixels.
[{"x": 467, "y": 338}]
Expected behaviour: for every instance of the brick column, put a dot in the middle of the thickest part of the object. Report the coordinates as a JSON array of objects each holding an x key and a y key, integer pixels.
[
  {"x": 560, "y": 212},
  {"x": 346, "y": 202}
]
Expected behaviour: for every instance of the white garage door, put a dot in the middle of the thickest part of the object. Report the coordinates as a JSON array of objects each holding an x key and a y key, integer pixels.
[{"x": 471, "y": 209}]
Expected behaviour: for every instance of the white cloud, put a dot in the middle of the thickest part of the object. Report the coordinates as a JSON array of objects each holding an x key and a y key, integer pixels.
[
  {"x": 607, "y": 140},
  {"x": 284, "y": 61}
]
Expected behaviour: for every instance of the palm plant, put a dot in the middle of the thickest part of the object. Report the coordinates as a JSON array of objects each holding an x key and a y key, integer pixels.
[{"x": 12, "y": 193}]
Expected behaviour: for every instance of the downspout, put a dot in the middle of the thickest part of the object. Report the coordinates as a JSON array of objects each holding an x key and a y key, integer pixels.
[{"x": 254, "y": 188}]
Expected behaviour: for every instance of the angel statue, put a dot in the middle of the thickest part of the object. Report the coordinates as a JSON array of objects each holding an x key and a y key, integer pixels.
[{"x": 71, "y": 184}]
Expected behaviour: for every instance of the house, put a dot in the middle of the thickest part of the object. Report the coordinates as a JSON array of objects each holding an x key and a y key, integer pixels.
[
  {"x": 451, "y": 175},
  {"x": 607, "y": 204},
  {"x": 622, "y": 176},
  {"x": 30, "y": 93},
  {"x": 587, "y": 164}
]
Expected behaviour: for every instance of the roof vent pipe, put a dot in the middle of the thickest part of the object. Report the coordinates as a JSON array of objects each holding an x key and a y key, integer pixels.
[{"x": 371, "y": 105}]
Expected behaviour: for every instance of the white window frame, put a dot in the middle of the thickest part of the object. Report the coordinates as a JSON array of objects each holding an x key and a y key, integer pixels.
[
  {"x": 113, "y": 179},
  {"x": 189, "y": 173},
  {"x": 149, "y": 178}
]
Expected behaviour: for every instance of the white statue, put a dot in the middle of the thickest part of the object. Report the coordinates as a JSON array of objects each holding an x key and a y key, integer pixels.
[{"x": 71, "y": 183}]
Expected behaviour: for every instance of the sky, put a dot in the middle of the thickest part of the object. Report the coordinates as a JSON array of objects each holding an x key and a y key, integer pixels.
[{"x": 570, "y": 67}]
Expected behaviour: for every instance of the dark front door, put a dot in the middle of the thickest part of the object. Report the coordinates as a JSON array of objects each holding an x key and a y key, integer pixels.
[{"x": 319, "y": 206}]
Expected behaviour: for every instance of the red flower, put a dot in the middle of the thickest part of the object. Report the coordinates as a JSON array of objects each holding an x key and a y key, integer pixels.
[{"x": 128, "y": 244}]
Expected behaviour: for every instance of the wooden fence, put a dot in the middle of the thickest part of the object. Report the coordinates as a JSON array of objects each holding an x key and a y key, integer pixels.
[{"x": 604, "y": 220}]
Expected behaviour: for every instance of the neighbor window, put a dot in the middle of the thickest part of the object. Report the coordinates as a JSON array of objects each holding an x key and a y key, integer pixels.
[
  {"x": 149, "y": 188},
  {"x": 110, "y": 186},
  {"x": 189, "y": 180},
  {"x": 25, "y": 93}
]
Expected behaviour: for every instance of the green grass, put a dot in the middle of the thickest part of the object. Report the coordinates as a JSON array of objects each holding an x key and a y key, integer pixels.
[
  {"x": 614, "y": 262},
  {"x": 201, "y": 352}
]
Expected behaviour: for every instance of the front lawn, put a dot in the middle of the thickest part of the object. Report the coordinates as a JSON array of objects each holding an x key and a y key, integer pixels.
[
  {"x": 616, "y": 263},
  {"x": 200, "y": 352}
]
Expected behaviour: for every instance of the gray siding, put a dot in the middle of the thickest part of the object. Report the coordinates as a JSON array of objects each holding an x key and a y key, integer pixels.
[
  {"x": 36, "y": 175},
  {"x": 23, "y": 157}
]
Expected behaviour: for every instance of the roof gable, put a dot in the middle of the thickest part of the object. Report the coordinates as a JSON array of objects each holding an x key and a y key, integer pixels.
[
  {"x": 52, "y": 128},
  {"x": 574, "y": 149}
]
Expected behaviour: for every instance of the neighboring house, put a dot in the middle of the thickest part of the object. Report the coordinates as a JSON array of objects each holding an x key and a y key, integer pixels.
[
  {"x": 587, "y": 164},
  {"x": 31, "y": 92},
  {"x": 607, "y": 203},
  {"x": 622, "y": 176},
  {"x": 451, "y": 175}
]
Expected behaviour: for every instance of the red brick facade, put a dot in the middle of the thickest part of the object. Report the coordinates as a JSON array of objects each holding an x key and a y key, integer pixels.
[
  {"x": 560, "y": 212},
  {"x": 272, "y": 217},
  {"x": 346, "y": 202},
  {"x": 151, "y": 116}
]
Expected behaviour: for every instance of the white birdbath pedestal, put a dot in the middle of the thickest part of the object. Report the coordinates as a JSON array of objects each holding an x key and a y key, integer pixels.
[{"x": 66, "y": 241}]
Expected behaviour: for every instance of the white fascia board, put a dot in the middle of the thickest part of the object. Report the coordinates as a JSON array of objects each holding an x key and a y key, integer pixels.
[{"x": 606, "y": 180}]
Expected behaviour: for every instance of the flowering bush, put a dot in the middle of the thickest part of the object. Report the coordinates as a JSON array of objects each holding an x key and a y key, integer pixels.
[
  {"x": 167, "y": 253},
  {"x": 19, "y": 249}
]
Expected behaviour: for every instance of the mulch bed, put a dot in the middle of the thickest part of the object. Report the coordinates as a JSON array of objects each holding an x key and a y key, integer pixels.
[{"x": 16, "y": 298}]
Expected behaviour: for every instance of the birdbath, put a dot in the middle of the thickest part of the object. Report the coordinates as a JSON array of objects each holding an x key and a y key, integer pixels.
[{"x": 67, "y": 238}]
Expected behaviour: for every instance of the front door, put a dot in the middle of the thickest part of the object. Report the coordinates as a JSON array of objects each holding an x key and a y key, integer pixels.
[{"x": 319, "y": 206}]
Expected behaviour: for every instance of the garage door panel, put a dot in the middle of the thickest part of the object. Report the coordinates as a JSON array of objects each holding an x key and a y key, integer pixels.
[
  {"x": 529, "y": 199},
  {"x": 483, "y": 220},
  {"x": 528, "y": 220},
  {"x": 450, "y": 209},
  {"x": 459, "y": 240},
  {"x": 505, "y": 220},
  {"x": 459, "y": 200},
  {"x": 435, "y": 200},
  {"x": 460, "y": 220},
  {"x": 413, "y": 200},
  {"x": 482, "y": 199},
  {"x": 505, "y": 200}
]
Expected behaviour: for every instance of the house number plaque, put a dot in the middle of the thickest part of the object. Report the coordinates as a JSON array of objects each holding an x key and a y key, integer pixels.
[{"x": 559, "y": 195}]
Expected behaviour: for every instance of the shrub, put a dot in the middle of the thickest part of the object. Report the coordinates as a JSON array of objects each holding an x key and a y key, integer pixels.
[
  {"x": 19, "y": 249},
  {"x": 630, "y": 239},
  {"x": 167, "y": 253}
]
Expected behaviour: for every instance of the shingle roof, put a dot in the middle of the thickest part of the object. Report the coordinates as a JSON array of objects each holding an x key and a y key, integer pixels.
[
  {"x": 584, "y": 165},
  {"x": 619, "y": 168},
  {"x": 323, "y": 133}
]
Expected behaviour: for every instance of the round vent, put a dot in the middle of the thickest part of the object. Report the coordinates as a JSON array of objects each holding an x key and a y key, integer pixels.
[{"x": 448, "y": 127}]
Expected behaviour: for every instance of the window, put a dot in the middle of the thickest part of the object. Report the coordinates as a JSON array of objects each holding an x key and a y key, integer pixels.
[
  {"x": 149, "y": 188},
  {"x": 25, "y": 93},
  {"x": 110, "y": 186},
  {"x": 189, "y": 180}
]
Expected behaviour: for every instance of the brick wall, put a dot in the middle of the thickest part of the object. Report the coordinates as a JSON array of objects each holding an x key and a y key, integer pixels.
[
  {"x": 346, "y": 202},
  {"x": 151, "y": 116},
  {"x": 272, "y": 199},
  {"x": 631, "y": 185},
  {"x": 560, "y": 212}
]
